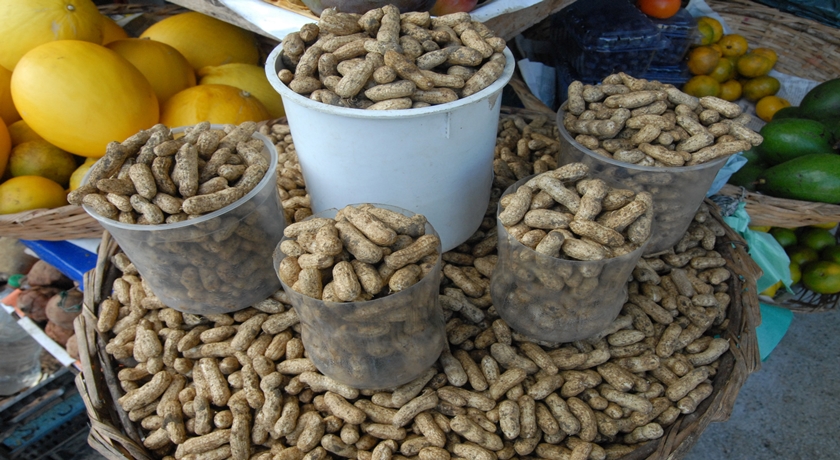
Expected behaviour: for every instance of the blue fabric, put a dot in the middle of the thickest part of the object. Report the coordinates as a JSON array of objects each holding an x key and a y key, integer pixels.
[
  {"x": 733, "y": 164},
  {"x": 764, "y": 250}
]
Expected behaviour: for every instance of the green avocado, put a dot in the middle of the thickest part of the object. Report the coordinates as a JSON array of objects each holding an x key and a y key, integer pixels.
[
  {"x": 747, "y": 176},
  {"x": 789, "y": 138},
  {"x": 787, "y": 112},
  {"x": 814, "y": 177},
  {"x": 823, "y": 101}
]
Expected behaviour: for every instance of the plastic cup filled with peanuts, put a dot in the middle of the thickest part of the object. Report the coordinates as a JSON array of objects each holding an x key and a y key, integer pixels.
[
  {"x": 648, "y": 136},
  {"x": 566, "y": 247},
  {"x": 385, "y": 60},
  {"x": 242, "y": 385},
  {"x": 364, "y": 282},
  {"x": 197, "y": 213}
]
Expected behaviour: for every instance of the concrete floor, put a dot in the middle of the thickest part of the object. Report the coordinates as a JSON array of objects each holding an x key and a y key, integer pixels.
[{"x": 788, "y": 410}]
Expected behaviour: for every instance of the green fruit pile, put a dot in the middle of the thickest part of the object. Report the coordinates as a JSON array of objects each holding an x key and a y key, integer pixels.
[
  {"x": 799, "y": 156},
  {"x": 814, "y": 255}
]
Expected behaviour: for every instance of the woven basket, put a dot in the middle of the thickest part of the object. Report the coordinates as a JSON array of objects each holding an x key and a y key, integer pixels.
[
  {"x": 806, "y": 48},
  {"x": 117, "y": 438},
  {"x": 64, "y": 223}
]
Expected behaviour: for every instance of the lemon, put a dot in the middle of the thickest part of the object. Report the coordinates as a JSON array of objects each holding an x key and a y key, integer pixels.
[
  {"x": 826, "y": 225},
  {"x": 25, "y": 193},
  {"x": 79, "y": 174},
  {"x": 771, "y": 291},
  {"x": 40, "y": 158},
  {"x": 760, "y": 228},
  {"x": 21, "y": 132},
  {"x": 831, "y": 254},
  {"x": 795, "y": 272}
]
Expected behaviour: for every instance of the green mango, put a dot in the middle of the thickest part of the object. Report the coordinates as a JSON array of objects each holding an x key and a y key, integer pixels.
[
  {"x": 787, "y": 112},
  {"x": 788, "y": 138},
  {"x": 814, "y": 177},
  {"x": 823, "y": 101}
]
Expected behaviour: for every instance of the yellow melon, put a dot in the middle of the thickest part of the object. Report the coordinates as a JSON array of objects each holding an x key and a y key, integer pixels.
[
  {"x": 247, "y": 77},
  {"x": 80, "y": 96},
  {"x": 8, "y": 112},
  {"x": 111, "y": 31},
  {"x": 25, "y": 24},
  {"x": 166, "y": 69},
  {"x": 205, "y": 40},
  {"x": 218, "y": 104}
]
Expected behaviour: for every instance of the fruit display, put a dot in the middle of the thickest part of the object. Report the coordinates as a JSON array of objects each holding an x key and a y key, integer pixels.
[
  {"x": 799, "y": 157},
  {"x": 72, "y": 80},
  {"x": 725, "y": 65},
  {"x": 814, "y": 253}
]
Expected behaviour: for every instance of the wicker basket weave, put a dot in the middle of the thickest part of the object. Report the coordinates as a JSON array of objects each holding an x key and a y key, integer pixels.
[
  {"x": 117, "y": 438},
  {"x": 806, "y": 48},
  {"x": 64, "y": 223}
]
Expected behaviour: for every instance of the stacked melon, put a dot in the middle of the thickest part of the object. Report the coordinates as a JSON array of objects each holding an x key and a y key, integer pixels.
[{"x": 71, "y": 81}]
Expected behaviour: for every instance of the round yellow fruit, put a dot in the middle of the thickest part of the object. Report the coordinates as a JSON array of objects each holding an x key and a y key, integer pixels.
[
  {"x": 767, "y": 106},
  {"x": 80, "y": 96},
  {"x": 8, "y": 112},
  {"x": 753, "y": 65},
  {"x": 40, "y": 158},
  {"x": 20, "y": 132},
  {"x": 795, "y": 272},
  {"x": 771, "y": 291},
  {"x": 163, "y": 66},
  {"x": 214, "y": 103},
  {"x": 26, "y": 193},
  {"x": 205, "y": 40},
  {"x": 702, "y": 85},
  {"x": 5, "y": 147},
  {"x": 715, "y": 25},
  {"x": 730, "y": 90},
  {"x": 79, "y": 174},
  {"x": 246, "y": 77},
  {"x": 25, "y": 24},
  {"x": 111, "y": 31}
]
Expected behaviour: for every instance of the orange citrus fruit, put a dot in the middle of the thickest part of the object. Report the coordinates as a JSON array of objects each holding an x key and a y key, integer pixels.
[
  {"x": 717, "y": 27},
  {"x": 753, "y": 65},
  {"x": 759, "y": 87},
  {"x": 660, "y": 9},
  {"x": 724, "y": 71},
  {"x": 795, "y": 272},
  {"x": 730, "y": 90},
  {"x": 702, "y": 60},
  {"x": 702, "y": 85},
  {"x": 768, "y": 53},
  {"x": 822, "y": 277},
  {"x": 733, "y": 45},
  {"x": 767, "y": 106},
  {"x": 707, "y": 34}
]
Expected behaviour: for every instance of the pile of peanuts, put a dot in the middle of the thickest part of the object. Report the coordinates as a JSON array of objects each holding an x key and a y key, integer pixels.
[
  {"x": 649, "y": 123},
  {"x": 153, "y": 178},
  {"x": 241, "y": 386},
  {"x": 365, "y": 249},
  {"x": 384, "y": 60},
  {"x": 562, "y": 213}
]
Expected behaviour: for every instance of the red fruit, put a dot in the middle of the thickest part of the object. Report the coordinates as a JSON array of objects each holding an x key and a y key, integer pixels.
[{"x": 442, "y": 7}]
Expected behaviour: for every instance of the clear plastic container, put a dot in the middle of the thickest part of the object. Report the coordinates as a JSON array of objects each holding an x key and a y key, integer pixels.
[
  {"x": 217, "y": 263},
  {"x": 20, "y": 366},
  {"x": 380, "y": 343},
  {"x": 557, "y": 300},
  {"x": 680, "y": 30},
  {"x": 677, "y": 192},
  {"x": 676, "y": 74},
  {"x": 602, "y": 37}
]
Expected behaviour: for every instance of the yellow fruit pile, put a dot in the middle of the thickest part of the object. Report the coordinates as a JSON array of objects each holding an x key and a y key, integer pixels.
[
  {"x": 72, "y": 80},
  {"x": 726, "y": 67}
]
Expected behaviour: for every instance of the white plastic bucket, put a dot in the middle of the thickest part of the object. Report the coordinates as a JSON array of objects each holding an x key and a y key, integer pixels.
[{"x": 436, "y": 161}]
